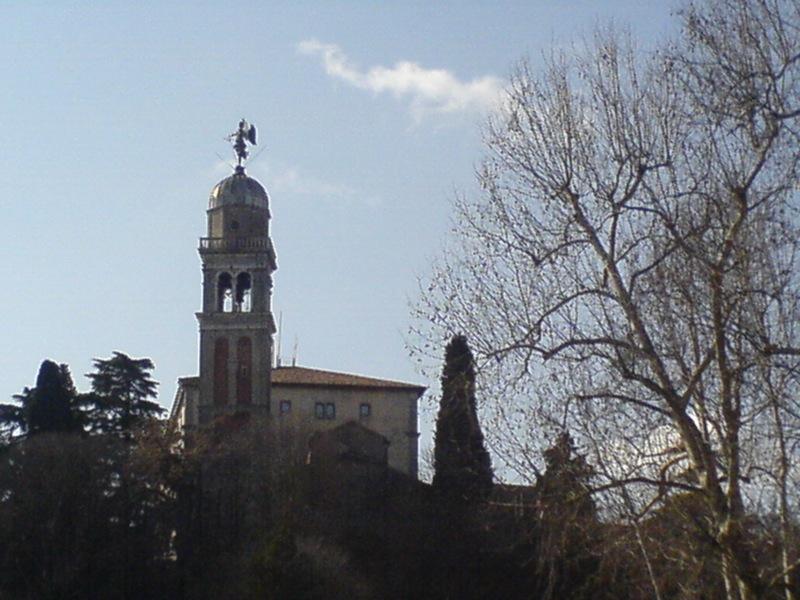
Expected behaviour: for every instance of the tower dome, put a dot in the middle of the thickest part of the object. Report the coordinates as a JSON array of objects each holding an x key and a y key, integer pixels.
[{"x": 240, "y": 190}]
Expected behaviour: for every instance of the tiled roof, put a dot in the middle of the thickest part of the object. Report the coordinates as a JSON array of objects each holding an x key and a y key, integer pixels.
[{"x": 317, "y": 377}]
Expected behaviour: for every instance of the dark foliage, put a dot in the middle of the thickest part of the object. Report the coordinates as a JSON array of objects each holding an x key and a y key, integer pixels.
[
  {"x": 567, "y": 528},
  {"x": 462, "y": 465},
  {"x": 51, "y": 406},
  {"x": 122, "y": 394},
  {"x": 12, "y": 421},
  {"x": 235, "y": 514},
  {"x": 121, "y": 399},
  {"x": 565, "y": 484},
  {"x": 82, "y": 517}
]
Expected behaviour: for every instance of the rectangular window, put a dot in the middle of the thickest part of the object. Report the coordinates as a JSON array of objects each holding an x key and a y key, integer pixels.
[
  {"x": 286, "y": 407},
  {"x": 364, "y": 410},
  {"x": 323, "y": 410}
]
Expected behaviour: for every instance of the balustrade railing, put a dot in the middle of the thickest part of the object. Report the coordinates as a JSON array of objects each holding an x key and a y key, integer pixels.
[{"x": 233, "y": 244}]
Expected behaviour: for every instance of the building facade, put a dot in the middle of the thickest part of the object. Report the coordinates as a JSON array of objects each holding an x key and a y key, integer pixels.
[{"x": 236, "y": 342}]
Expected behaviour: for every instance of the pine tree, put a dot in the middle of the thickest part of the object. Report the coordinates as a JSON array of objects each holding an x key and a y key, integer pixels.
[
  {"x": 463, "y": 468},
  {"x": 121, "y": 394}
]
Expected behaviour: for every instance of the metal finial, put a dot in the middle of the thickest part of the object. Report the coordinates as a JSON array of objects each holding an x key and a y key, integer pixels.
[{"x": 240, "y": 138}]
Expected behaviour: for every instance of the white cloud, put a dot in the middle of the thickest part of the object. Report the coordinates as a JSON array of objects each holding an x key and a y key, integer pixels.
[
  {"x": 289, "y": 179},
  {"x": 428, "y": 90},
  {"x": 284, "y": 179}
]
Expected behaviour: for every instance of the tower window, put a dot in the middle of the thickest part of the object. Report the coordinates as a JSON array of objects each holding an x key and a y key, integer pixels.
[
  {"x": 225, "y": 293},
  {"x": 221, "y": 371},
  {"x": 244, "y": 358},
  {"x": 319, "y": 410},
  {"x": 330, "y": 411},
  {"x": 285, "y": 407},
  {"x": 364, "y": 410},
  {"x": 244, "y": 285}
]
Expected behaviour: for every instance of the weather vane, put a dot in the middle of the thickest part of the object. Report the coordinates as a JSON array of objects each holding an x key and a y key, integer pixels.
[{"x": 240, "y": 138}]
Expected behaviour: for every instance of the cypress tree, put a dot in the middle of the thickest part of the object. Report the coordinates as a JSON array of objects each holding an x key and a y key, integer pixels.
[
  {"x": 49, "y": 406},
  {"x": 463, "y": 469}
]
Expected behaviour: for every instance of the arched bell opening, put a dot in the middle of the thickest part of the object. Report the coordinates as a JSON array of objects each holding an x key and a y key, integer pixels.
[
  {"x": 225, "y": 293},
  {"x": 244, "y": 287}
]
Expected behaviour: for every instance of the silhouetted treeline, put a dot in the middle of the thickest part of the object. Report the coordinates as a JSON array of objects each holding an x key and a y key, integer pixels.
[{"x": 242, "y": 510}]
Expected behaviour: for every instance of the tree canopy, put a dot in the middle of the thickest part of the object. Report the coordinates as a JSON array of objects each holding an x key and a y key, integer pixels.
[
  {"x": 122, "y": 393},
  {"x": 86, "y": 503},
  {"x": 122, "y": 398},
  {"x": 632, "y": 266},
  {"x": 51, "y": 405}
]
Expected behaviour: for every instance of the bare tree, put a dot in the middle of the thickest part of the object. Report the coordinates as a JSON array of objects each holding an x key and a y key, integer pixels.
[{"x": 631, "y": 268}]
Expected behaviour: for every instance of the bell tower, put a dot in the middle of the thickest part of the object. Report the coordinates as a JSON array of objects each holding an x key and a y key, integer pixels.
[{"x": 236, "y": 322}]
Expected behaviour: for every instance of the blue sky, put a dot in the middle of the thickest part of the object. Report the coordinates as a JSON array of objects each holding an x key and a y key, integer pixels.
[{"x": 113, "y": 119}]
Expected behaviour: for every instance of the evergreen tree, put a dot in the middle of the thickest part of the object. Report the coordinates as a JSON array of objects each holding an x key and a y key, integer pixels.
[
  {"x": 121, "y": 394},
  {"x": 567, "y": 527},
  {"x": 52, "y": 405},
  {"x": 463, "y": 468},
  {"x": 565, "y": 482}
]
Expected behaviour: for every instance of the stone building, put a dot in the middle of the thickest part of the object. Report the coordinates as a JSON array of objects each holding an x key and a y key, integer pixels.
[{"x": 236, "y": 340}]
